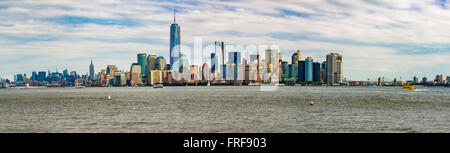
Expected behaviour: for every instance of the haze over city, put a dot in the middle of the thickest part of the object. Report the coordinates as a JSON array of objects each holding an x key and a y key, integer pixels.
[{"x": 377, "y": 38}]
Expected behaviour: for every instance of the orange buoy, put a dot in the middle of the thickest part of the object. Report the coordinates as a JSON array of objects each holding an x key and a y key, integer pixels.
[{"x": 311, "y": 103}]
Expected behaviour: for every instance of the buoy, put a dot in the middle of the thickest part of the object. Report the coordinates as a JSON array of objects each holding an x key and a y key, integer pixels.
[
  {"x": 109, "y": 97},
  {"x": 311, "y": 103}
]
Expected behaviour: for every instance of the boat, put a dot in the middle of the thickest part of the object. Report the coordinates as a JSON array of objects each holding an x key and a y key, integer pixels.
[
  {"x": 80, "y": 87},
  {"x": 158, "y": 86},
  {"x": 409, "y": 87}
]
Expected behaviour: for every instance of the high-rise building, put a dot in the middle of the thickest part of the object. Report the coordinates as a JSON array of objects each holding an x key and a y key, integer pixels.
[
  {"x": 152, "y": 62},
  {"x": 291, "y": 73},
  {"x": 91, "y": 72},
  {"x": 110, "y": 69},
  {"x": 234, "y": 57},
  {"x": 308, "y": 69},
  {"x": 220, "y": 59},
  {"x": 316, "y": 72},
  {"x": 205, "y": 72},
  {"x": 161, "y": 63},
  {"x": 301, "y": 77},
  {"x": 143, "y": 62},
  {"x": 175, "y": 49},
  {"x": 213, "y": 62},
  {"x": 34, "y": 76},
  {"x": 415, "y": 79},
  {"x": 297, "y": 56},
  {"x": 324, "y": 71},
  {"x": 424, "y": 80},
  {"x": 135, "y": 74},
  {"x": 334, "y": 68},
  {"x": 156, "y": 77}
]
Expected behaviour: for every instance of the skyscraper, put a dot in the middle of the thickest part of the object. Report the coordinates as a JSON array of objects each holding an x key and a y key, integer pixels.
[
  {"x": 316, "y": 72},
  {"x": 143, "y": 62},
  {"x": 334, "y": 68},
  {"x": 175, "y": 50},
  {"x": 91, "y": 71},
  {"x": 160, "y": 63},
  {"x": 308, "y": 69},
  {"x": 301, "y": 71},
  {"x": 213, "y": 62},
  {"x": 296, "y": 57},
  {"x": 220, "y": 59}
]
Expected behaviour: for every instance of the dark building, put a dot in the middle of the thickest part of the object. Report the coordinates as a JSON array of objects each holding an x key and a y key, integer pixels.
[
  {"x": 301, "y": 71},
  {"x": 316, "y": 72},
  {"x": 213, "y": 62}
]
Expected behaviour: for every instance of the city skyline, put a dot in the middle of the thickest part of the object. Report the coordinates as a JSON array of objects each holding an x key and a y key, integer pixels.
[{"x": 77, "y": 33}]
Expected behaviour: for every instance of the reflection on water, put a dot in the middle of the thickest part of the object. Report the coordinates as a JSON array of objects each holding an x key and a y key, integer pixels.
[{"x": 225, "y": 109}]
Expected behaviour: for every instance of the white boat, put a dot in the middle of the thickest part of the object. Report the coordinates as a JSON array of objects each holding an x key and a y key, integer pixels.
[{"x": 158, "y": 86}]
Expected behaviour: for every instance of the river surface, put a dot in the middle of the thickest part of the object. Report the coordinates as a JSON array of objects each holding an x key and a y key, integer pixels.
[{"x": 225, "y": 109}]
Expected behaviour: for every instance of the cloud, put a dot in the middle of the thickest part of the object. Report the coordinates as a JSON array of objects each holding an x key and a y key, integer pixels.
[{"x": 376, "y": 37}]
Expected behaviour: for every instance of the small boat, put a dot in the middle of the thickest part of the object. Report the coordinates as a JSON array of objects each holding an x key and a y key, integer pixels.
[
  {"x": 80, "y": 87},
  {"x": 409, "y": 87},
  {"x": 158, "y": 86}
]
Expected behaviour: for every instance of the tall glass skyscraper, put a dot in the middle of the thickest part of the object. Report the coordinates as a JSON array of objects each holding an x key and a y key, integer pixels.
[
  {"x": 143, "y": 62},
  {"x": 175, "y": 53},
  {"x": 220, "y": 59},
  {"x": 308, "y": 69}
]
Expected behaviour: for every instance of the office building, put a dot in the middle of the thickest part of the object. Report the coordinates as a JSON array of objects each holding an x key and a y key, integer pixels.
[
  {"x": 308, "y": 69},
  {"x": 175, "y": 49},
  {"x": 316, "y": 72},
  {"x": 91, "y": 72},
  {"x": 334, "y": 68}
]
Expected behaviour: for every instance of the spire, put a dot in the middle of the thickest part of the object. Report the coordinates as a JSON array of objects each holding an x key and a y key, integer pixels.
[
  {"x": 91, "y": 61},
  {"x": 174, "y": 15}
]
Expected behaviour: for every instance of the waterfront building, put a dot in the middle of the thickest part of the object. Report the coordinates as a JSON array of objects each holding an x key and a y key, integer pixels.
[
  {"x": 156, "y": 77},
  {"x": 34, "y": 76},
  {"x": 205, "y": 72},
  {"x": 220, "y": 67},
  {"x": 316, "y": 72},
  {"x": 143, "y": 62},
  {"x": 160, "y": 63},
  {"x": 334, "y": 68},
  {"x": 297, "y": 56},
  {"x": 135, "y": 74},
  {"x": 19, "y": 78},
  {"x": 254, "y": 57},
  {"x": 324, "y": 71},
  {"x": 308, "y": 69},
  {"x": 291, "y": 73},
  {"x": 301, "y": 70},
  {"x": 119, "y": 79},
  {"x": 152, "y": 62},
  {"x": 213, "y": 62},
  {"x": 448, "y": 79},
  {"x": 175, "y": 49},
  {"x": 110, "y": 69},
  {"x": 415, "y": 79},
  {"x": 424, "y": 80},
  {"x": 91, "y": 72},
  {"x": 41, "y": 76}
]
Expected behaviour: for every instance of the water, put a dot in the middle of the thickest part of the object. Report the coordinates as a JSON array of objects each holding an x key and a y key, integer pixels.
[{"x": 225, "y": 109}]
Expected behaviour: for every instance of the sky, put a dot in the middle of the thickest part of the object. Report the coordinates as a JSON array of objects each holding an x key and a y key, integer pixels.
[{"x": 401, "y": 38}]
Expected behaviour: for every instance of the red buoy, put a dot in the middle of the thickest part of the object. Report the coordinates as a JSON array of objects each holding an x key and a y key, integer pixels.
[{"x": 311, "y": 103}]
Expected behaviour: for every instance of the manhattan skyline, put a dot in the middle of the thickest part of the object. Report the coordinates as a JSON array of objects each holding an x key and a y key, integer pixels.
[{"x": 390, "y": 39}]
